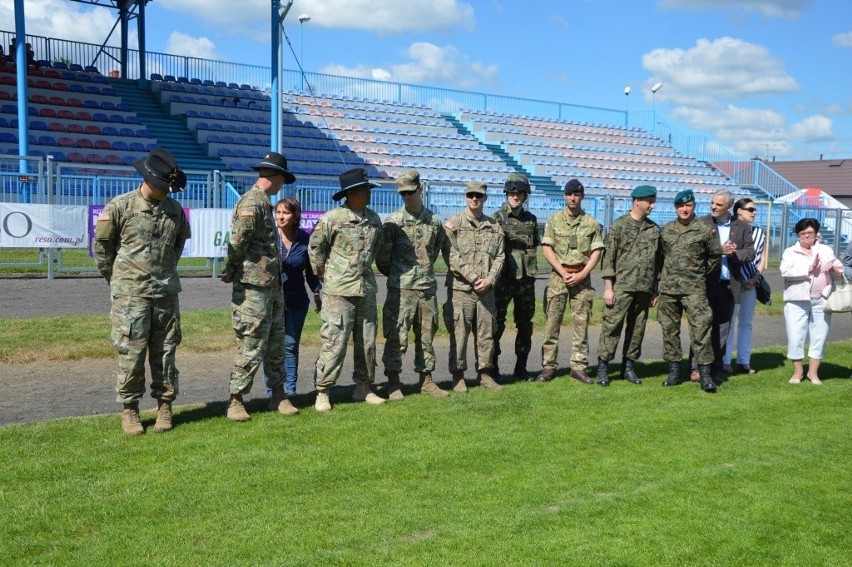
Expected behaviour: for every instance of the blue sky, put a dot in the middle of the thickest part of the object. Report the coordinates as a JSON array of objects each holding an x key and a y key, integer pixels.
[{"x": 764, "y": 77}]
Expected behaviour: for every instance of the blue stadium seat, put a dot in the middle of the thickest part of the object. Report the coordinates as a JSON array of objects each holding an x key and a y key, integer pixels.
[
  {"x": 76, "y": 88},
  {"x": 169, "y": 78},
  {"x": 92, "y": 69},
  {"x": 110, "y": 131},
  {"x": 120, "y": 146},
  {"x": 8, "y": 138},
  {"x": 137, "y": 147},
  {"x": 89, "y": 103},
  {"x": 107, "y": 105},
  {"x": 127, "y": 133},
  {"x": 100, "y": 117},
  {"x": 156, "y": 77},
  {"x": 116, "y": 118}
]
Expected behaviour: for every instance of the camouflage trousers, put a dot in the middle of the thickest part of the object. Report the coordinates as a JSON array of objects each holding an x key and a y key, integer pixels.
[
  {"x": 670, "y": 309},
  {"x": 342, "y": 317},
  {"x": 145, "y": 326},
  {"x": 522, "y": 293},
  {"x": 258, "y": 318},
  {"x": 630, "y": 312},
  {"x": 557, "y": 297},
  {"x": 465, "y": 311},
  {"x": 406, "y": 310}
]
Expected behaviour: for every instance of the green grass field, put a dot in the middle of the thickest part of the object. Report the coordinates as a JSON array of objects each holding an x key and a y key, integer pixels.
[{"x": 538, "y": 474}]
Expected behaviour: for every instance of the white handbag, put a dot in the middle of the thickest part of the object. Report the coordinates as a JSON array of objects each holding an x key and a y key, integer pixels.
[{"x": 840, "y": 298}]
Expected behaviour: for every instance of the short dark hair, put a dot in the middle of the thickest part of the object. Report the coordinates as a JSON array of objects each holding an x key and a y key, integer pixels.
[
  {"x": 292, "y": 205},
  {"x": 805, "y": 224},
  {"x": 741, "y": 204}
]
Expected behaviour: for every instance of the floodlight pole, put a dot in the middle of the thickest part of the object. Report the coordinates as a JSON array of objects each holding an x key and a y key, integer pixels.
[{"x": 276, "y": 140}]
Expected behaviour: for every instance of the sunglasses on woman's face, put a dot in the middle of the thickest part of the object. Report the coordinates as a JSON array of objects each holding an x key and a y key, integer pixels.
[{"x": 750, "y": 209}]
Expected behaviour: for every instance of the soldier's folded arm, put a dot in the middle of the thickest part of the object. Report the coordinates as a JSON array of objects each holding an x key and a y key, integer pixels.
[
  {"x": 318, "y": 247},
  {"x": 499, "y": 260},
  {"x": 385, "y": 252},
  {"x": 106, "y": 236},
  {"x": 184, "y": 235}
]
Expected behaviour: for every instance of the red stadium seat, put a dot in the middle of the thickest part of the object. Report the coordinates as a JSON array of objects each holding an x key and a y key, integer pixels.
[
  {"x": 94, "y": 158},
  {"x": 39, "y": 99},
  {"x": 74, "y": 102},
  {"x": 60, "y": 86},
  {"x": 93, "y": 130},
  {"x": 65, "y": 115},
  {"x": 47, "y": 113},
  {"x": 112, "y": 159},
  {"x": 85, "y": 143},
  {"x": 57, "y": 101},
  {"x": 66, "y": 142},
  {"x": 102, "y": 145},
  {"x": 5, "y": 96},
  {"x": 51, "y": 73},
  {"x": 43, "y": 85},
  {"x": 77, "y": 157},
  {"x": 83, "y": 115},
  {"x": 7, "y": 80},
  {"x": 74, "y": 129},
  {"x": 56, "y": 127}
]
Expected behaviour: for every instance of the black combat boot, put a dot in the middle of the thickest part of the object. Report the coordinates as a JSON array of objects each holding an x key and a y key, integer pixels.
[
  {"x": 520, "y": 372},
  {"x": 628, "y": 372},
  {"x": 673, "y": 379},
  {"x": 706, "y": 378},
  {"x": 603, "y": 373}
]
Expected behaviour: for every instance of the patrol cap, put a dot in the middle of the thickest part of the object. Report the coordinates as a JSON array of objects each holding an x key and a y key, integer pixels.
[
  {"x": 408, "y": 181},
  {"x": 351, "y": 179},
  {"x": 643, "y": 191},
  {"x": 516, "y": 182},
  {"x": 685, "y": 196},
  {"x": 275, "y": 162},
  {"x": 574, "y": 186},
  {"x": 476, "y": 187},
  {"x": 160, "y": 170}
]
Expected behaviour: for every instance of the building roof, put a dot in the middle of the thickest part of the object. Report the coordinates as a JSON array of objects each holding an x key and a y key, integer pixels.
[{"x": 834, "y": 176}]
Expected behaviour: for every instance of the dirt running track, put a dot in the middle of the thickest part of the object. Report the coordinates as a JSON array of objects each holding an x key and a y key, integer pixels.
[{"x": 47, "y": 390}]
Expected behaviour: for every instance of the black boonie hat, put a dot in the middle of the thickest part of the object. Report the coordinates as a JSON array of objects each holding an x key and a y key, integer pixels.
[
  {"x": 160, "y": 171},
  {"x": 277, "y": 162},
  {"x": 350, "y": 180}
]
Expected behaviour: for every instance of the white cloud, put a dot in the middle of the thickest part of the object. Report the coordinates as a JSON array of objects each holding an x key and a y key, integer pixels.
[
  {"x": 725, "y": 67},
  {"x": 428, "y": 64},
  {"x": 789, "y": 9},
  {"x": 188, "y": 46},
  {"x": 65, "y": 20},
  {"x": 387, "y": 16},
  {"x": 812, "y": 129},
  {"x": 842, "y": 39}
]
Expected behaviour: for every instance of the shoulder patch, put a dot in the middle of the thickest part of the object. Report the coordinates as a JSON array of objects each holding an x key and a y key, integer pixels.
[
  {"x": 246, "y": 213},
  {"x": 448, "y": 224},
  {"x": 103, "y": 215}
]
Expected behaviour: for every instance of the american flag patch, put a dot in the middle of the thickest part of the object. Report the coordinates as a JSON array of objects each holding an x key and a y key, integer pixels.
[
  {"x": 246, "y": 213},
  {"x": 103, "y": 215}
]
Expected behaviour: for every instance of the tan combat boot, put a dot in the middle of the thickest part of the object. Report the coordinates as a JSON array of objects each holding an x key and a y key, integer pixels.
[
  {"x": 394, "y": 388},
  {"x": 364, "y": 394},
  {"x": 486, "y": 381},
  {"x": 130, "y": 423},
  {"x": 458, "y": 382},
  {"x": 236, "y": 409},
  {"x": 164, "y": 416},
  {"x": 427, "y": 386},
  {"x": 322, "y": 403},
  {"x": 279, "y": 402}
]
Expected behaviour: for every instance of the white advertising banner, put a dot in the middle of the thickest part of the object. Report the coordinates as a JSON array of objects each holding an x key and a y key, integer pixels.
[
  {"x": 211, "y": 229},
  {"x": 43, "y": 226}
]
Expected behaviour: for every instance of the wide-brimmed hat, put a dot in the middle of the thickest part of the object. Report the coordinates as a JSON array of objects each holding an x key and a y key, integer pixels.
[
  {"x": 160, "y": 170},
  {"x": 276, "y": 162},
  {"x": 352, "y": 179}
]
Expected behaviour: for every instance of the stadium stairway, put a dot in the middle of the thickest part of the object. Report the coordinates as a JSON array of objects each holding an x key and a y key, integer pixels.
[
  {"x": 169, "y": 131},
  {"x": 540, "y": 182}
]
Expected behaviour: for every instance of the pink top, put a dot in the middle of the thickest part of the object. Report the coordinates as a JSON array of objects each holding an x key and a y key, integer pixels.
[{"x": 800, "y": 282}]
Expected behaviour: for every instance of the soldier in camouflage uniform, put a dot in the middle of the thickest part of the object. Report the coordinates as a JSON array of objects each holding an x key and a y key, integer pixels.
[
  {"x": 572, "y": 245},
  {"x": 691, "y": 251},
  {"x": 257, "y": 306},
  {"x": 342, "y": 248},
  {"x": 477, "y": 253},
  {"x": 630, "y": 267},
  {"x": 412, "y": 239},
  {"x": 139, "y": 237},
  {"x": 517, "y": 280}
]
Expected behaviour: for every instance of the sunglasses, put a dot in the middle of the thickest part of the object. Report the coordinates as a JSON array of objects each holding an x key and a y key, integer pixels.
[
  {"x": 474, "y": 195},
  {"x": 408, "y": 193},
  {"x": 750, "y": 209}
]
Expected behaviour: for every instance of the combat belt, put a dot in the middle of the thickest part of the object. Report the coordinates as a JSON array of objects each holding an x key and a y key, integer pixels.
[{"x": 573, "y": 268}]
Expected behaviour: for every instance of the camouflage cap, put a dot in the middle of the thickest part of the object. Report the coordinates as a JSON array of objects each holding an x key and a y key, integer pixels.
[
  {"x": 516, "y": 182},
  {"x": 685, "y": 196},
  {"x": 643, "y": 191},
  {"x": 476, "y": 187},
  {"x": 408, "y": 181}
]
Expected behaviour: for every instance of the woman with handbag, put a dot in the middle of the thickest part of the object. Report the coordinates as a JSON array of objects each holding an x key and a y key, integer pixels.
[
  {"x": 739, "y": 335},
  {"x": 806, "y": 268}
]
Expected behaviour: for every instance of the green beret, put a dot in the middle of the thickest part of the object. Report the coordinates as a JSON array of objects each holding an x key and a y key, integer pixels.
[
  {"x": 685, "y": 196},
  {"x": 644, "y": 191}
]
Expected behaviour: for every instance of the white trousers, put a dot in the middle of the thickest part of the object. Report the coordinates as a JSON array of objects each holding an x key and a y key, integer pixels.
[
  {"x": 739, "y": 335},
  {"x": 806, "y": 319}
]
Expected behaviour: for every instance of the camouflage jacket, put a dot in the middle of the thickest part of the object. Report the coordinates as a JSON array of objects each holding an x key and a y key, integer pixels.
[
  {"x": 253, "y": 247},
  {"x": 573, "y": 238},
  {"x": 522, "y": 243},
  {"x": 477, "y": 250},
  {"x": 342, "y": 248},
  {"x": 138, "y": 244},
  {"x": 632, "y": 255},
  {"x": 411, "y": 244},
  {"x": 690, "y": 254}
]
